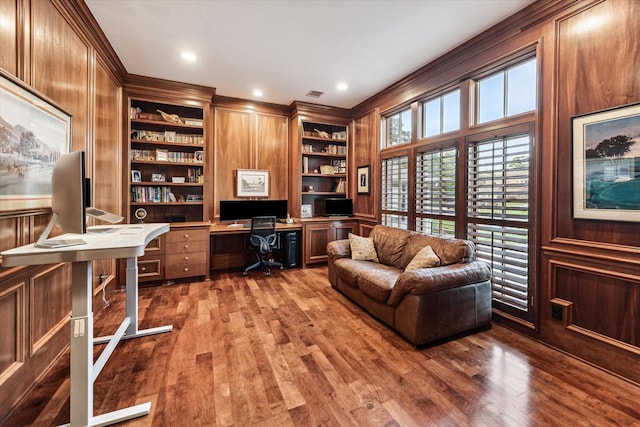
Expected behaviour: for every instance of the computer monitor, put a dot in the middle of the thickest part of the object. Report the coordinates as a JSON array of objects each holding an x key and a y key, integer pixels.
[
  {"x": 237, "y": 210},
  {"x": 338, "y": 207},
  {"x": 69, "y": 198}
]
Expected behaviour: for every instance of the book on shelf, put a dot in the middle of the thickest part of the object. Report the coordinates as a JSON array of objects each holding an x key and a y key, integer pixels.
[{"x": 305, "y": 164}]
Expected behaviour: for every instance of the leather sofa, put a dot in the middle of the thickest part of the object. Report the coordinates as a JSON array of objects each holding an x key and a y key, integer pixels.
[{"x": 422, "y": 305}]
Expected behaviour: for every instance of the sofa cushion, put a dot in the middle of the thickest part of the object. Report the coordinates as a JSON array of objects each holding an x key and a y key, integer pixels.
[
  {"x": 348, "y": 270},
  {"x": 362, "y": 248},
  {"x": 377, "y": 282},
  {"x": 390, "y": 243},
  {"x": 449, "y": 249},
  {"x": 425, "y": 258}
]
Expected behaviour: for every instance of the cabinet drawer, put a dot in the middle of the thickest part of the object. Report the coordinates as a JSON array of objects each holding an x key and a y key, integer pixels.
[
  {"x": 189, "y": 235},
  {"x": 195, "y": 246},
  {"x": 186, "y": 265},
  {"x": 149, "y": 269}
]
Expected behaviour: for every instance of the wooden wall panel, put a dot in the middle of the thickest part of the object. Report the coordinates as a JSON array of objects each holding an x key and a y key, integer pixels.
[
  {"x": 598, "y": 61},
  {"x": 601, "y": 303},
  {"x": 232, "y": 151},
  {"x": 13, "y": 321},
  {"x": 49, "y": 304},
  {"x": 9, "y": 36},
  {"x": 365, "y": 151},
  {"x": 272, "y": 150},
  {"x": 60, "y": 67}
]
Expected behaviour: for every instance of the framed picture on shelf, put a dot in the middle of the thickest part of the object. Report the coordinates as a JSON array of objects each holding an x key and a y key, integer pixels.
[
  {"x": 136, "y": 176},
  {"x": 362, "y": 175},
  {"x": 162, "y": 155},
  {"x": 199, "y": 156},
  {"x": 158, "y": 177},
  {"x": 306, "y": 211},
  {"x": 606, "y": 164},
  {"x": 43, "y": 132},
  {"x": 252, "y": 183}
]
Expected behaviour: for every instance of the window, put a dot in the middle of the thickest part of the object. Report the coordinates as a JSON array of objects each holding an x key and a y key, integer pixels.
[
  {"x": 436, "y": 191},
  {"x": 441, "y": 114},
  {"x": 395, "y": 191},
  {"x": 508, "y": 92},
  {"x": 498, "y": 215},
  {"x": 398, "y": 129}
]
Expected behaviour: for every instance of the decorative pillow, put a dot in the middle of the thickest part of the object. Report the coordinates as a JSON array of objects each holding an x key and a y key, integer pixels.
[
  {"x": 425, "y": 258},
  {"x": 362, "y": 248}
]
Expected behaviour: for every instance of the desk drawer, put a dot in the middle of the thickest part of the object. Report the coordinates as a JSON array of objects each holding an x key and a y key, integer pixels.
[
  {"x": 149, "y": 269},
  {"x": 188, "y": 235},
  {"x": 189, "y": 246},
  {"x": 185, "y": 265}
]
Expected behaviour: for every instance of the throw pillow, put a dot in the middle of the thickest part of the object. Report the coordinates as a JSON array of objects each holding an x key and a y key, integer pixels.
[
  {"x": 425, "y": 258},
  {"x": 362, "y": 248}
]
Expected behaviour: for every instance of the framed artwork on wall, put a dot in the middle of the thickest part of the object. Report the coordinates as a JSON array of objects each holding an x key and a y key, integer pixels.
[
  {"x": 606, "y": 164},
  {"x": 362, "y": 175},
  {"x": 252, "y": 183},
  {"x": 33, "y": 134}
]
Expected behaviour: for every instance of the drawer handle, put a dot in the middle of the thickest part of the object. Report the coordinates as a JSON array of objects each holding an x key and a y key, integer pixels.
[
  {"x": 186, "y": 269},
  {"x": 186, "y": 246},
  {"x": 186, "y": 236},
  {"x": 144, "y": 269},
  {"x": 186, "y": 258}
]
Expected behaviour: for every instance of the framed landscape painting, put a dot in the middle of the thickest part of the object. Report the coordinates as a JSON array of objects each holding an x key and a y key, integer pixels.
[
  {"x": 33, "y": 135},
  {"x": 606, "y": 164},
  {"x": 253, "y": 183}
]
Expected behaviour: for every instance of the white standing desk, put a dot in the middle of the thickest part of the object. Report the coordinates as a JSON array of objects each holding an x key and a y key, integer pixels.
[{"x": 105, "y": 242}]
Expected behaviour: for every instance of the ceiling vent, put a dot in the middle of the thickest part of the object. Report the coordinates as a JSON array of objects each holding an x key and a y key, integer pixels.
[{"x": 314, "y": 94}]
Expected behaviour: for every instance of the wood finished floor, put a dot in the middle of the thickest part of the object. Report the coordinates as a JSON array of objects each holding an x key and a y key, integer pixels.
[{"x": 288, "y": 350}]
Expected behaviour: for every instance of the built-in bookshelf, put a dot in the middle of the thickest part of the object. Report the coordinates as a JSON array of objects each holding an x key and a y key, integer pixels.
[
  {"x": 324, "y": 165},
  {"x": 166, "y": 162}
]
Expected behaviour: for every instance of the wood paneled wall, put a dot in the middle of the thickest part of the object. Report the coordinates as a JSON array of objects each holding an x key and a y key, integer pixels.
[
  {"x": 589, "y": 57},
  {"x": 52, "y": 47}
]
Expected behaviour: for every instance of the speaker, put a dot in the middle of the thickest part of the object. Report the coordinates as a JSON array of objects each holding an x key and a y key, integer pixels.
[{"x": 291, "y": 252}]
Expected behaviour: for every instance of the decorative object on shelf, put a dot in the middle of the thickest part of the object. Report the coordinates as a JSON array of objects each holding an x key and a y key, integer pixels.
[
  {"x": 306, "y": 211},
  {"x": 252, "y": 183},
  {"x": 42, "y": 132},
  {"x": 162, "y": 155},
  {"x": 606, "y": 184},
  {"x": 199, "y": 156},
  {"x": 322, "y": 134},
  {"x": 178, "y": 179},
  {"x": 136, "y": 176},
  {"x": 171, "y": 118},
  {"x": 310, "y": 189},
  {"x": 326, "y": 170},
  {"x": 140, "y": 214},
  {"x": 158, "y": 177},
  {"x": 362, "y": 175}
]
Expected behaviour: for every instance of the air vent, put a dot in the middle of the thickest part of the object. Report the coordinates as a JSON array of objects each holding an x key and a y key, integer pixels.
[{"x": 314, "y": 94}]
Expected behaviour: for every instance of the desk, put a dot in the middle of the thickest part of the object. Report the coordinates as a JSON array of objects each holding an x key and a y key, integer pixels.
[
  {"x": 228, "y": 247},
  {"x": 103, "y": 242}
]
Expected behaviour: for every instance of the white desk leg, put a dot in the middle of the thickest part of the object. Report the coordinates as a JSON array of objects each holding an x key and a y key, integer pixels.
[
  {"x": 132, "y": 305},
  {"x": 81, "y": 344}
]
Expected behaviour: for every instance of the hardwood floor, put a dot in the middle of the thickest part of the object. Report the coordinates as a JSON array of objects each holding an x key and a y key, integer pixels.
[{"x": 288, "y": 350}]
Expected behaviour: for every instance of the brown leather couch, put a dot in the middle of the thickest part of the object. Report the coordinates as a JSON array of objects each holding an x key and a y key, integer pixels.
[{"x": 422, "y": 305}]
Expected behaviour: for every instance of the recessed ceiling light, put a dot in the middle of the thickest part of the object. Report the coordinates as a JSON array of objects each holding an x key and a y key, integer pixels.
[
  {"x": 342, "y": 86},
  {"x": 188, "y": 56},
  {"x": 257, "y": 92}
]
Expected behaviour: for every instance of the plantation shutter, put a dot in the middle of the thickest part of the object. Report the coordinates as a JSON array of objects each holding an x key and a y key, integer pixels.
[
  {"x": 436, "y": 191},
  {"x": 498, "y": 215},
  {"x": 394, "y": 194}
]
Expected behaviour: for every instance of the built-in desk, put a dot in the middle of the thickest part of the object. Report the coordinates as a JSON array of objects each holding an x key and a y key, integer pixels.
[
  {"x": 228, "y": 245},
  {"x": 105, "y": 242}
]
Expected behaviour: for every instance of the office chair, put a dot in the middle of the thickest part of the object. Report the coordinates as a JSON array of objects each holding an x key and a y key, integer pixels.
[{"x": 263, "y": 240}]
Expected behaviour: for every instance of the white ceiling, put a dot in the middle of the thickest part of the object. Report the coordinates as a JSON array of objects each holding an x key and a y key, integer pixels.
[{"x": 289, "y": 47}]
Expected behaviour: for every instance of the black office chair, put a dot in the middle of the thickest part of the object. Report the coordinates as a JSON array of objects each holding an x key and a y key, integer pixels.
[{"x": 263, "y": 240}]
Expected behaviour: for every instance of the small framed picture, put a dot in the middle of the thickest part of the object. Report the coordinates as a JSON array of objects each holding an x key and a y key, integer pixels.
[
  {"x": 363, "y": 179},
  {"x": 252, "y": 183},
  {"x": 199, "y": 156},
  {"x": 306, "y": 211},
  {"x": 169, "y": 136},
  {"x": 136, "y": 176},
  {"x": 158, "y": 177}
]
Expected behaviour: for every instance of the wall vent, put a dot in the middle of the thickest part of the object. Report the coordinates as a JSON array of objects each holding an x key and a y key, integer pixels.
[{"x": 314, "y": 94}]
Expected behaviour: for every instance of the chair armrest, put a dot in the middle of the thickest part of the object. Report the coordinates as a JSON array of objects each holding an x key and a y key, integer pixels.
[
  {"x": 339, "y": 249},
  {"x": 429, "y": 280}
]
